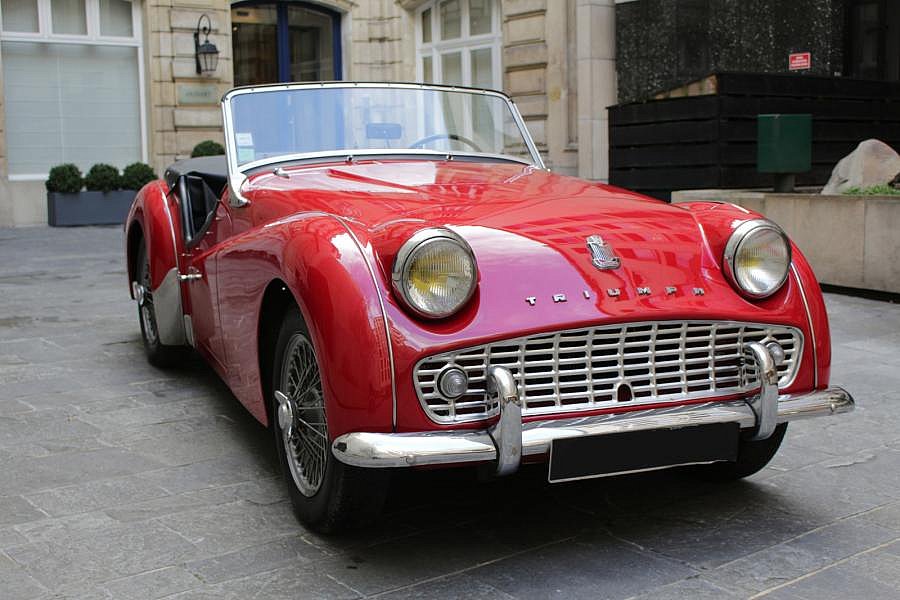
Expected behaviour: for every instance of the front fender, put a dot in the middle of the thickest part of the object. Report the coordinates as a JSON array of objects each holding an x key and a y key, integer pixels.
[
  {"x": 322, "y": 264},
  {"x": 152, "y": 220},
  {"x": 717, "y": 221},
  {"x": 152, "y": 214}
]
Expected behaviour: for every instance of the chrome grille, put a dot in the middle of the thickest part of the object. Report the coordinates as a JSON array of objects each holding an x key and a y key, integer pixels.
[{"x": 582, "y": 369}]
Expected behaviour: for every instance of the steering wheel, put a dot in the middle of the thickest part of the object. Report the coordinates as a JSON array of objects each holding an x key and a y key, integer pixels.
[{"x": 446, "y": 136}]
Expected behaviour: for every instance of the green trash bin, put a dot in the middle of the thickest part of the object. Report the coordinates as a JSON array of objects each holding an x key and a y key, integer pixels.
[{"x": 784, "y": 147}]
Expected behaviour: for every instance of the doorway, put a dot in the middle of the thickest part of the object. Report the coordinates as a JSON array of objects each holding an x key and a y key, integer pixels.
[{"x": 280, "y": 42}]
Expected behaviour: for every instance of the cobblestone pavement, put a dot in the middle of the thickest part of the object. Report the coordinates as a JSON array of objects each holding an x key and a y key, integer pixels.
[{"x": 118, "y": 480}]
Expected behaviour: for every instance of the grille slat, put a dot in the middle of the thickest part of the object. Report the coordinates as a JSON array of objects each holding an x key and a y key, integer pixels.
[{"x": 581, "y": 369}]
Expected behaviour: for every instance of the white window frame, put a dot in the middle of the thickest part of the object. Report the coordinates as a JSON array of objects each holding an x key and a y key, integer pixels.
[
  {"x": 465, "y": 44},
  {"x": 92, "y": 38}
]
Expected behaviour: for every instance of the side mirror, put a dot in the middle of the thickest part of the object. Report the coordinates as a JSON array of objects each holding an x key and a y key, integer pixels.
[{"x": 236, "y": 182}]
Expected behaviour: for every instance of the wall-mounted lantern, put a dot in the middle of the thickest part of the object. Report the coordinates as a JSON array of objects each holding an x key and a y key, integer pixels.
[{"x": 206, "y": 54}]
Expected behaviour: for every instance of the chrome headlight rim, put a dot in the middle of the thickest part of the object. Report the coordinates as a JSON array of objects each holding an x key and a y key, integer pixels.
[
  {"x": 739, "y": 236},
  {"x": 410, "y": 248}
]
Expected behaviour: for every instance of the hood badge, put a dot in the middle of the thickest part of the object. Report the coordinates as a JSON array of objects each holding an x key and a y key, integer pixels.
[
  {"x": 602, "y": 256},
  {"x": 670, "y": 290}
]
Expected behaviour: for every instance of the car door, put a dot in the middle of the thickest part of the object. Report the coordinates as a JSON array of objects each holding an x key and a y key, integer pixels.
[{"x": 200, "y": 277}]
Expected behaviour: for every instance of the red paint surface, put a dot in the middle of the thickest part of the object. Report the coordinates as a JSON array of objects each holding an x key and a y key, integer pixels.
[{"x": 527, "y": 229}]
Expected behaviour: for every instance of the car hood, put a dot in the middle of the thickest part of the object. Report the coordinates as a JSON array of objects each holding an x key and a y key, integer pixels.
[{"x": 528, "y": 229}]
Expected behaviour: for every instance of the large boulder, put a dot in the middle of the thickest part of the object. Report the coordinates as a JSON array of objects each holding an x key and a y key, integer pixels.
[{"x": 872, "y": 163}]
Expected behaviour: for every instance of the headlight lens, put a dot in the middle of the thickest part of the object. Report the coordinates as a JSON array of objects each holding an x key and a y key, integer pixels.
[
  {"x": 434, "y": 273},
  {"x": 757, "y": 258}
]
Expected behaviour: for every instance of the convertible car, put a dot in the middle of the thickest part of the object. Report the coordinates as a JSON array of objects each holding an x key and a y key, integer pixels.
[{"x": 388, "y": 277}]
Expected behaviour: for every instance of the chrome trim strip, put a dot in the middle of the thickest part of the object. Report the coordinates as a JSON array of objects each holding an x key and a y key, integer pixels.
[
  {"x": 475, "y": 360},
  {"x": 352, "y": 154},
  {"x": 812, "y": 329},
  {"x": 381, "y": 450},
  {"x": 169, "y": 313},
  {"x": 384, "y": 318}
]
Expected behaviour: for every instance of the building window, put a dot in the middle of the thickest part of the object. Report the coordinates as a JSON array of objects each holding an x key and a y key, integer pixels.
[
  {"x": 72, "y": 84},
  {"x": 285, "y": 41},
  {"x": 458, "y": 43}
]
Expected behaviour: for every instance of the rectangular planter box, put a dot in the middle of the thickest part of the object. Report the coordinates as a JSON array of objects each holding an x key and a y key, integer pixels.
[
  {"x": 88, "y": 208},
  {"x": 850, "y": 241}
]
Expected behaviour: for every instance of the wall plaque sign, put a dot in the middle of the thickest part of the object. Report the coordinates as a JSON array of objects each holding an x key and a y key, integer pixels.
[{"x": 197, "y": 93}]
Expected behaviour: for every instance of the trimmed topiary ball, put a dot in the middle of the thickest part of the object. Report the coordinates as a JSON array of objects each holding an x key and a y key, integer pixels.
[
  {"x": 137, "y": 175},
  {"x": 207, "y": 148},
  {"x": 65, "y": 179},
  {"x": 102, "y": 178}
]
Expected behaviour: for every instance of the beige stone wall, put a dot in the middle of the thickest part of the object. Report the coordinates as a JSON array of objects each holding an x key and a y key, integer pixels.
[
  {"x": 176, "y": 125},
  {"x": 596, "y": 52},
  {"x": 381, "y": 46},
  {"x": 525, "y": 59}
]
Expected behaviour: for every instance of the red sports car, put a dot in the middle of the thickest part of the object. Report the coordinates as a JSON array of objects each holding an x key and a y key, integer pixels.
[{"x": 387, "y": 276}]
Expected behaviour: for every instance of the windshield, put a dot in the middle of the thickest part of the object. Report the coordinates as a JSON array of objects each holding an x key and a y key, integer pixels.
[{"x": 266, "y": 124}]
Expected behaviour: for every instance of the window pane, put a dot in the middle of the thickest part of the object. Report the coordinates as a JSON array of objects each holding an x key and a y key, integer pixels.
[
  {"x": 482, "y": 73},
  {"x": 68, "y": 17},
  {"x": 254, "y": 42},
  {"x": 115, "y": 18},
  {"x": 427, "y": 70},
  {"x": 451, "y": 19},
  {"x": 426, "y": 26},
  {"x": 311, "y": 45},
  {"x": 20, "y": 15},
  {"x": 451, "y": 69},
  {"x": 479, "y": 16},
  {"x": 70, "y": 103}
]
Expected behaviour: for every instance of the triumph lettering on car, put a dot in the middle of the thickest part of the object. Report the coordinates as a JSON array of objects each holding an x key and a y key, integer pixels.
[{"x": 388, "y": 277}]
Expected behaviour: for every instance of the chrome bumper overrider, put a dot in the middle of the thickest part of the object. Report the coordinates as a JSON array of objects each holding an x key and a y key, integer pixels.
[{"x": 510, "y": 439}]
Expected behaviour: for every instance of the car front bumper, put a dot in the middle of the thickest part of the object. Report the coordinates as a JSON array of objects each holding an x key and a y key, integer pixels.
[{"x": 510, "y": 439}]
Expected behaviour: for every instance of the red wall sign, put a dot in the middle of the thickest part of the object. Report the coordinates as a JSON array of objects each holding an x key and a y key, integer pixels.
[{"x": 799, "y": 61}]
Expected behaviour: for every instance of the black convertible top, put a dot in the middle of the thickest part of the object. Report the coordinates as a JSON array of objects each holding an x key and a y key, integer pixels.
[{"x": 212, "y": 169}]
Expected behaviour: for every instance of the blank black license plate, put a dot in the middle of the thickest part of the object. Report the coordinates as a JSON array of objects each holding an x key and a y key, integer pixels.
[{"x": 618, "y": 453}]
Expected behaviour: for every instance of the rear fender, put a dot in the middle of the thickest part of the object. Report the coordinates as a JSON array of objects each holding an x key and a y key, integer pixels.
[{"x": 322, "y": 264}]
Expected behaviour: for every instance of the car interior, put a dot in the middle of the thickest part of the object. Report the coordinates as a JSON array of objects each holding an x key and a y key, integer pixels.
[{"x": 198, "y": 184}]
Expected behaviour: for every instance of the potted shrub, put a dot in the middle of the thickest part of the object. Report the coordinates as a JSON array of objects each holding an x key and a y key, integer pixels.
[
  {"x": 137, "y": 175},
  {"x": 207, "y": 148},
  {"x": 104, "y": 202}
]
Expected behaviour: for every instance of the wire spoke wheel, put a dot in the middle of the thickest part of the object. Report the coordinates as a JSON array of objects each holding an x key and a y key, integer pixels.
[
  {"x": 146, "y": 308},
  {"x": 302, "y": 416}
]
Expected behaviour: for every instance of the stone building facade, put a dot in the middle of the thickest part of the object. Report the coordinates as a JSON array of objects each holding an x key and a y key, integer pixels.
[{"x": 116, "y": 81}]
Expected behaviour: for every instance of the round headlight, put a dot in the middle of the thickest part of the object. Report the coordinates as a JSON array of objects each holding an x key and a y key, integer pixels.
[
  {"x": 757, "y": 258},
  {"x": 434, "y": 273}
]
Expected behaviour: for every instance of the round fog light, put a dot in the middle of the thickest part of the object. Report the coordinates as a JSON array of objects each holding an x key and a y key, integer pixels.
[{"x": 453, "y": 383}]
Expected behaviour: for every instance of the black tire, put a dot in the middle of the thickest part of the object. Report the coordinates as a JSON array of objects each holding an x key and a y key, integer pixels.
[
  {"x": 752, "y": 457},
  {"x": 158, "y": 354},
  {"x": 343, "y": 497}
]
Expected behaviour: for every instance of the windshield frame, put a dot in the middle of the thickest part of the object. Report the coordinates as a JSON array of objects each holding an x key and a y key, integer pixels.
[{"x": 231, "y": 150}]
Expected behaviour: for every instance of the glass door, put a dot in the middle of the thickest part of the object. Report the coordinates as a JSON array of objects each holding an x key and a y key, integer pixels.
[{"x": 285, "y": 41}]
